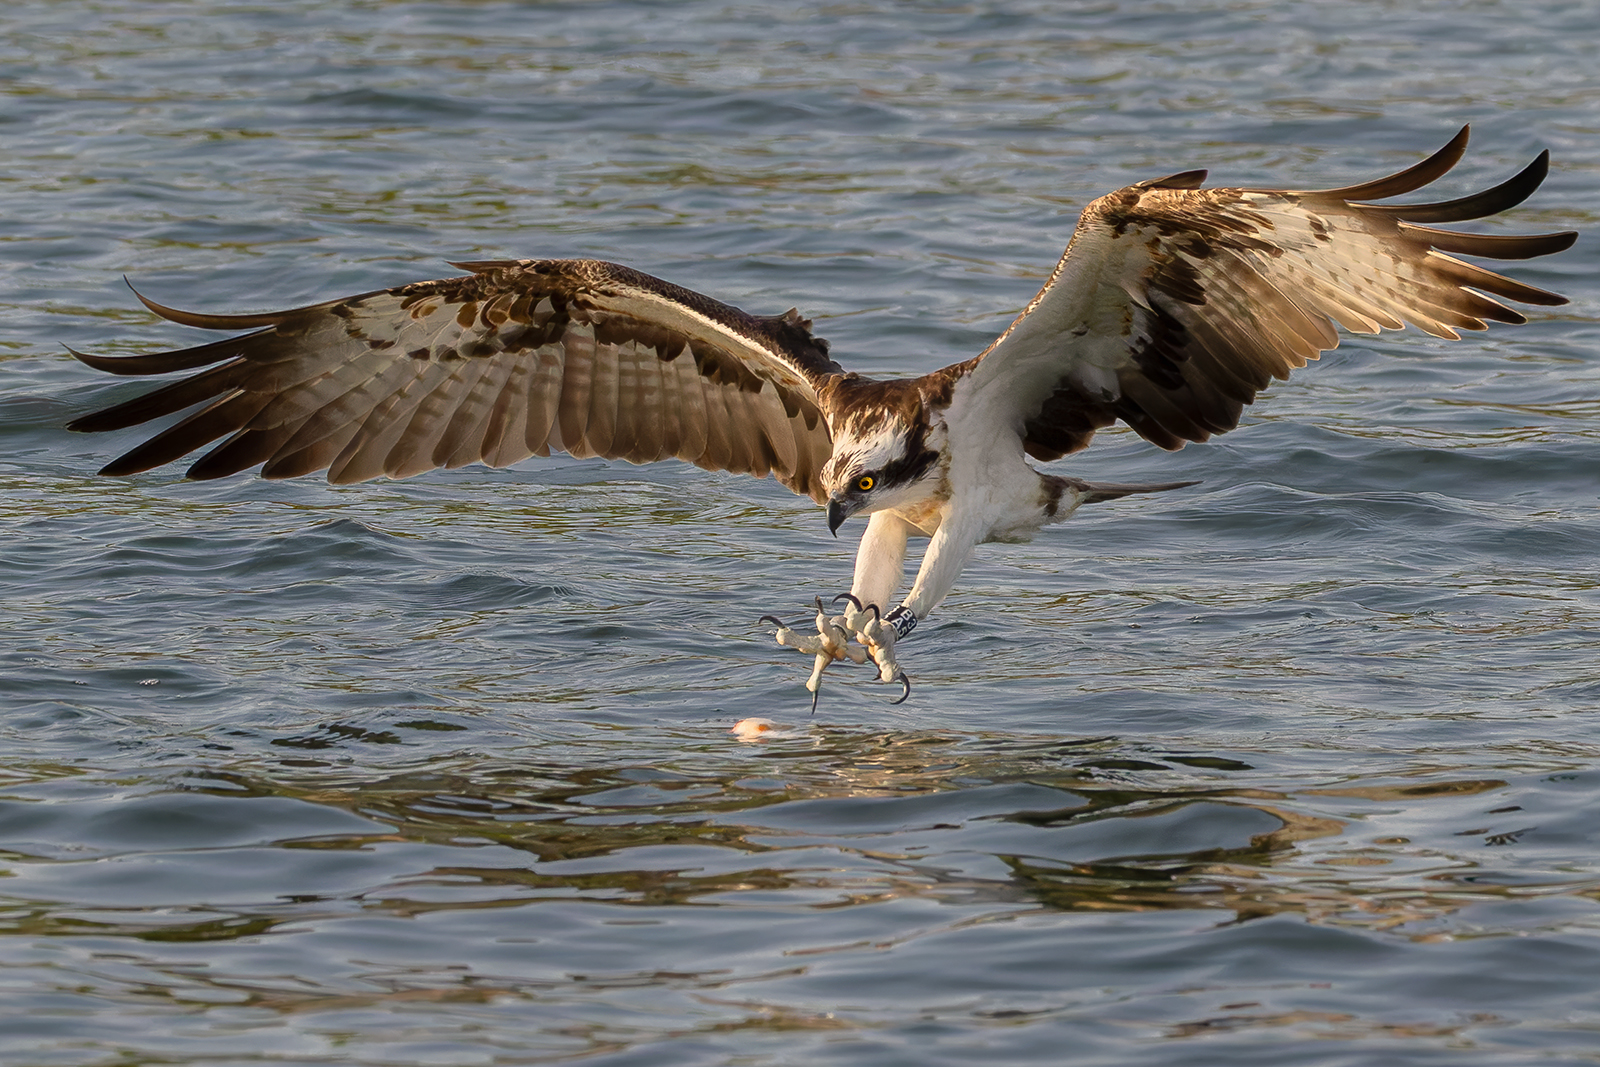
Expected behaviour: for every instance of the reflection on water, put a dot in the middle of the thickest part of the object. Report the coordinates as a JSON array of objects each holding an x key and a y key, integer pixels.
[
  {"x": 600, "y": 906},
  {"x": 842, "y": 817}
]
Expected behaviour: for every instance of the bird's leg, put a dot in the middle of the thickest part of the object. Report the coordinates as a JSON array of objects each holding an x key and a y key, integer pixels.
[
  {"x": 948, "y": 552},
  {"x": 829, "y": 644}
]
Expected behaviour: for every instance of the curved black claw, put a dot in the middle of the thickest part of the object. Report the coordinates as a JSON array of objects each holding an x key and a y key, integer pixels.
[
  {"x": 772, "y": 619},
  {"x": 903, "y": 680},
  {"x": 876, "y": 614}
]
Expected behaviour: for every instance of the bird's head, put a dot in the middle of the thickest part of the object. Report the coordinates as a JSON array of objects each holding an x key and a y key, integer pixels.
[{"x": 879, "y": 465}]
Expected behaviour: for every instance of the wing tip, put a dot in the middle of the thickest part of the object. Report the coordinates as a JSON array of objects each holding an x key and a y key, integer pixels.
[
  {"x": 124, "y": 465},
  {"x": 108, "y": 364},
  {"x": 203, "y": 321},
  {"x": 1502, "y": 197},
  {"x": 1411, "y": 178}
]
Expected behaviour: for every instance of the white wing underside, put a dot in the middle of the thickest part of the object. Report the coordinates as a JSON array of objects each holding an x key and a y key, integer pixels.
[{"x": 1173, "y": 305}]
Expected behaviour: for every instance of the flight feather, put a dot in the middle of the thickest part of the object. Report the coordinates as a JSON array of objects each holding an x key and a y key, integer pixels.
[
  {"x": 1174, "y": 305},
  {"x": 517, "y": 358}
]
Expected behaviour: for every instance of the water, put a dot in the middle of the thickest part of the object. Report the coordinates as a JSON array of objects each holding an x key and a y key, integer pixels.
[{"x": 1298, "y": 766}]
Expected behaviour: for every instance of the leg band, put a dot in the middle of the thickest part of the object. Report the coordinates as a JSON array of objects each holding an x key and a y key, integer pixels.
[{"x": 903, "y": 621}]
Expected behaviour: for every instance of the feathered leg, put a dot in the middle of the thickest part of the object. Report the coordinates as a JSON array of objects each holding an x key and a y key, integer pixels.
[{"x": 947, "y": 554}]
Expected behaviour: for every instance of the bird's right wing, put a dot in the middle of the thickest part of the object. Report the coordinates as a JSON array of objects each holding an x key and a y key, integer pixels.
[{"x": 519, "y": 358}]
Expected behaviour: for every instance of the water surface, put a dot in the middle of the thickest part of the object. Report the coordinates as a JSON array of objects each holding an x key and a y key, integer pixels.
[{"x": 1298, "y": 766}]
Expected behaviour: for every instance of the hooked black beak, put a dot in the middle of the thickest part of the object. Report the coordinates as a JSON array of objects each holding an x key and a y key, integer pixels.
[{"x": 837, "y": 513}]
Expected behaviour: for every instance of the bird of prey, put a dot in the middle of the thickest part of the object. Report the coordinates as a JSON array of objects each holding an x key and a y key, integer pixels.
[{"x": 1172, "y": 307}]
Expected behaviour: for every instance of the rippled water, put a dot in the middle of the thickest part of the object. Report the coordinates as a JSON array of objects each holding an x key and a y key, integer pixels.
[{"x": 1298, "y": 766}]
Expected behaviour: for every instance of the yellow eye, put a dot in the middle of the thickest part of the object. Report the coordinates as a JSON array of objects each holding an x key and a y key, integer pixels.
[{"x": 866, "y": 482}]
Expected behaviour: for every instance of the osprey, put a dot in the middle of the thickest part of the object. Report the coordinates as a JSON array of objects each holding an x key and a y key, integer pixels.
[{"x": 1172, "y": 306}]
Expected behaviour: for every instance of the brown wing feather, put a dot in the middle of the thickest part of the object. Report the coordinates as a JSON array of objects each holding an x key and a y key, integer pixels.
[
  {"x": 517, "y": 359},
  {"x": 1174, "y": 305}
]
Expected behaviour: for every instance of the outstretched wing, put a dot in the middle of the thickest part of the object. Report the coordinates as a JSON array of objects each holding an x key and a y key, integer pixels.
[
  {"x": 519, "y": 358},
  {"x": 1174, "y": 305}
]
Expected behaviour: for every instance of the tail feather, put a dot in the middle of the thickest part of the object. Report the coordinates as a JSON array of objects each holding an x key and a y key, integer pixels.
[{"x": 1095, "y": 492}]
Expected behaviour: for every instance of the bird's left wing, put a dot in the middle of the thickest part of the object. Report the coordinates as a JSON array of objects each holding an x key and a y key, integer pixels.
[
  {"x": 518, "y": 358},
  {"x": 1174, "y": 305}
]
